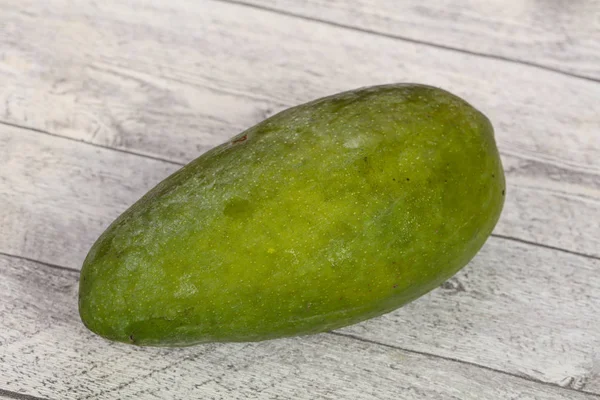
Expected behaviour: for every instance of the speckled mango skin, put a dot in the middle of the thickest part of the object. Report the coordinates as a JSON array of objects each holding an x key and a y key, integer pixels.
[{"x": 324, "y": 215}]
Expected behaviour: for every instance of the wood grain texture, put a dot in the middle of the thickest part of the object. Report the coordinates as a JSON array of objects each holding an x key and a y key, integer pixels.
[
  {"x": 562, "y": 35},
  {"x": 168, "y": 80},
  {"x": 128, "y": 79},
  {"x": 57, "y": 196},
  {"x": 47, "y": 351},
  {"x": 517, "y": 308},
  {"x": 529, "y": 311}
]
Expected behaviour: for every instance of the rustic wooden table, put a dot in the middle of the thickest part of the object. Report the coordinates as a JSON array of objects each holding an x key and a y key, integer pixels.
[{"x": 100, "y": 100}]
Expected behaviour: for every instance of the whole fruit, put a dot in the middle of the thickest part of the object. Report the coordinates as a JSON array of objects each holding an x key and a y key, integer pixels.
[{"x": 324, "y": 215}]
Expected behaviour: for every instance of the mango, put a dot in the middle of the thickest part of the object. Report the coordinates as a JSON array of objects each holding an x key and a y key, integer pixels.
[{"x": 322, "y": 216}]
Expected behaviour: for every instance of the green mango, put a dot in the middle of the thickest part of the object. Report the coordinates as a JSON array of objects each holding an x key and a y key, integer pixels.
[{"x": 324, "y": 215}]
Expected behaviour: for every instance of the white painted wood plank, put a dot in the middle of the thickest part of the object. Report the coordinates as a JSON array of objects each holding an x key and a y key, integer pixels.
[
  {"x": 143, "y": 86},
  {"x": 527, "y": 310},
  {"x": 57, "y": 196},
  {"x": 561, "y": 35},
  {"x": 134, "y": 58},
  {"x": 60, "y": 194},
  {"x": 47, "y": 351}
]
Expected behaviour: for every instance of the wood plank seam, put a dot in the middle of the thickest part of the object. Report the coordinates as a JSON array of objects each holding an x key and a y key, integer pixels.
[
  {"x": 426, "y": 354},
  {"x": 45, "y": 264},
  {"x": 335, "y": 333},
  {"x": 19, "y": 396},
  {"x": 90, "y": 143},
  {"x": 134, "y": 380},
  {"x": 546, "y": 246},
  {"x": 411, "y": 40},
  {"x": 160, "y": 159}
]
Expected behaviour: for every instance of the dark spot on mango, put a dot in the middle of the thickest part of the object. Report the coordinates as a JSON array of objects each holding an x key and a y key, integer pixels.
[
  {"x": 238, "y": 207},
  {"x": 240, "y": 139}
]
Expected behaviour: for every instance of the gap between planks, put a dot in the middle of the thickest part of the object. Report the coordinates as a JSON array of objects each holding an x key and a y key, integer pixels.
[
  {"x": 19, "y": 396},
  {"x": 165, "y": 160},
  {"x": 409, "y": 40},
  {"x": 37, "y": 130},
  {"x": 426, "y": 354},
  {"x": 8, "y": 394}
]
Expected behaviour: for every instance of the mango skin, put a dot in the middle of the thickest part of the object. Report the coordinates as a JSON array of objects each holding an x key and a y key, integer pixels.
[{"x": 324, "y": 215}]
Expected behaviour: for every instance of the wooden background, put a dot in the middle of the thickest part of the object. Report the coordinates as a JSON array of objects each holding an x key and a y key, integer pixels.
[{"x": 100, "y": 100}]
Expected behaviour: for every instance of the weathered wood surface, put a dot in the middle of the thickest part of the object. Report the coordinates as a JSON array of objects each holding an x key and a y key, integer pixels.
[
  {"x": 142, "y": 86},
  {"x": 168, "y": 80},
  {"x": 46, "y": 350},
  {"x": 517, "y": 308},
  {"x": 559, "y": 35}
]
